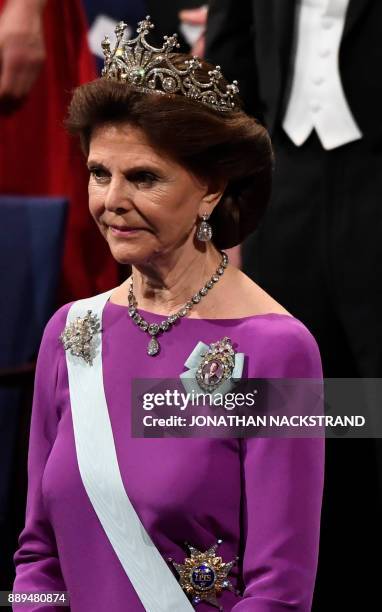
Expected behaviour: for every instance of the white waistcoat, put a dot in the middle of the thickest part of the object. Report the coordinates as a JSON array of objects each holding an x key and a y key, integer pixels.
[{"x": 317, "y": 100}]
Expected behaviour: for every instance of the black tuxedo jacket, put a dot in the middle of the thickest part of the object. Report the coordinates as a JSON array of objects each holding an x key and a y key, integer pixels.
[
  {"x": 164, "y": 14},
  {"x": 252, "y": 40}
]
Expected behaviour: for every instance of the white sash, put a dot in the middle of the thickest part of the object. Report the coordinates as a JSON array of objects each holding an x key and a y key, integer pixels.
[{"x": 152, "y": 579}]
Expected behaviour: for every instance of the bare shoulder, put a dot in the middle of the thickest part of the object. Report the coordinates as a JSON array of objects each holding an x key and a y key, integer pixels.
[{"x": 243, "y": 297}]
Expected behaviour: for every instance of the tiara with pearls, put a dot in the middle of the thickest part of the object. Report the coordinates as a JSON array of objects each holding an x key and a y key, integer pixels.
[{"x": 150, "y": 69}]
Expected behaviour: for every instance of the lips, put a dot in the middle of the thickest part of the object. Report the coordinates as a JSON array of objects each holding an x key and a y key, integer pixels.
[{"x": 124, "y": 230}]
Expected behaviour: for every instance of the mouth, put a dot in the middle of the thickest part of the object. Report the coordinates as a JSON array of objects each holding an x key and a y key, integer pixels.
[{"x": 124, "y": 231}]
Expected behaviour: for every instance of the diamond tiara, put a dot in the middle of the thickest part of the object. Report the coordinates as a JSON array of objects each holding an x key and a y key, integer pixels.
[{"x": 150, "y": 69}]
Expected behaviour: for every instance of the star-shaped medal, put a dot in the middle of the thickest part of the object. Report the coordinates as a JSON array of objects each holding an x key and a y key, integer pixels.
[{"x": 203, "y": 576}]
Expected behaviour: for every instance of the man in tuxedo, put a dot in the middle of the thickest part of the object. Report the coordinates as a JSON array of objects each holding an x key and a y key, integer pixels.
[
  {"x": 309, "y": 70},
  {"x": 165, "y": 15}
]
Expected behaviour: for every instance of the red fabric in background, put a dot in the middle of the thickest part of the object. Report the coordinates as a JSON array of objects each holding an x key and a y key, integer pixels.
[{"x": 38, "y": 157}]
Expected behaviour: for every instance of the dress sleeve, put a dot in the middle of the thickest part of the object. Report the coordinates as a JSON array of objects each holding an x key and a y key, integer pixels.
[
  {"x": 283, "y": 484},
  {"x": 36, "y": 560}
]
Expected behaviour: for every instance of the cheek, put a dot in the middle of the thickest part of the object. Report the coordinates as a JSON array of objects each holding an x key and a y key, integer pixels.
[
  {"x": 169, "y": 222},
  {"x": 96, "y": 199},
  {"x": 171, "y": 209}
]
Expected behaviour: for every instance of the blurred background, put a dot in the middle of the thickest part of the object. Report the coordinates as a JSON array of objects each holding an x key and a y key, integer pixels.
[{"x": 308, "y": 70}]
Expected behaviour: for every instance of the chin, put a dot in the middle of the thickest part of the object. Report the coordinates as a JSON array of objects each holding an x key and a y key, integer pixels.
[{"x": 128, "y": 256}]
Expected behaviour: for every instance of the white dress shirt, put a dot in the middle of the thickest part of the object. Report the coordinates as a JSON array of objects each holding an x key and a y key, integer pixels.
[{"x": 317, "y": 99}]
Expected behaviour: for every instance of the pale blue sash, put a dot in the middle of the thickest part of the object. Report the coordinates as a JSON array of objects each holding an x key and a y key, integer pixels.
[{"x": 151, "y": 577}]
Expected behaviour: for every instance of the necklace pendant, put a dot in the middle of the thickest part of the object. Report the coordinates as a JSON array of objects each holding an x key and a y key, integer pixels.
[
  {"x": 219, "y": 367},
  {"x": 153, "y": 347}
]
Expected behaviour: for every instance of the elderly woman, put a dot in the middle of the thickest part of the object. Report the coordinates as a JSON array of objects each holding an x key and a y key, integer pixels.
[{"x": 177, "y": 172}]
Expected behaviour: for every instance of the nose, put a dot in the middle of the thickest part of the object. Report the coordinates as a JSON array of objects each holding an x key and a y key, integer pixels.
[{"x": 118, "y": 195}]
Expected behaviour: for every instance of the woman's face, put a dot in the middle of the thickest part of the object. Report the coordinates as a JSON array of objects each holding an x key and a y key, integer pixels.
[{"x": 144, "y": 203}]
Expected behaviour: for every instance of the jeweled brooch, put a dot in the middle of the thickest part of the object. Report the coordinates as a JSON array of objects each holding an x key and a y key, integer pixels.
[
  {"x": 78, "y": 336},
  {"x": 212, "y": 367},
  {"x": 217, "y": 364},
  {"x": 203, "y": 575}
]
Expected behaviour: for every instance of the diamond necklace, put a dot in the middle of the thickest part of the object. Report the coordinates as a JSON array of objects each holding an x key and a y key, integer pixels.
[{"x": 154, "y": 329}]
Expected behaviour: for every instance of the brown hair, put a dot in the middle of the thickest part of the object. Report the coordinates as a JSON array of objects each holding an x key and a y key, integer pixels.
[{"x": 219, "y": 147}]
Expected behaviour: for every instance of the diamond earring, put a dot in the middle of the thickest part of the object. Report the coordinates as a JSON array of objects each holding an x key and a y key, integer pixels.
[{"x": 204, "y": 233}]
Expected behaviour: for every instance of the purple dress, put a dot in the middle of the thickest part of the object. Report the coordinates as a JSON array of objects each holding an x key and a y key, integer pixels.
[{"x": 261, "y": 496}]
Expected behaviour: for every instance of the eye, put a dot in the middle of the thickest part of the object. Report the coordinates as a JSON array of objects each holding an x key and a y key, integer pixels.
[
  {"x": 99, "y": 174},
  {"x": 147, "y": 179}
]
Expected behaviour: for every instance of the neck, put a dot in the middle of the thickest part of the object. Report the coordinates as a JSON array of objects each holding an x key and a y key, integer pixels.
[{"x": 169, "y": 281}]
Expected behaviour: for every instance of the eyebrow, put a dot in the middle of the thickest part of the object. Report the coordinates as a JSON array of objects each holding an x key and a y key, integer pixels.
[
  {"x": 131, "y": 171},
  {"x": 92, "y": 163}
]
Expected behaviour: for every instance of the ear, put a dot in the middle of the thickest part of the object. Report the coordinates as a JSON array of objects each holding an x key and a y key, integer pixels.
[{"x": 212, "y": 198}]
